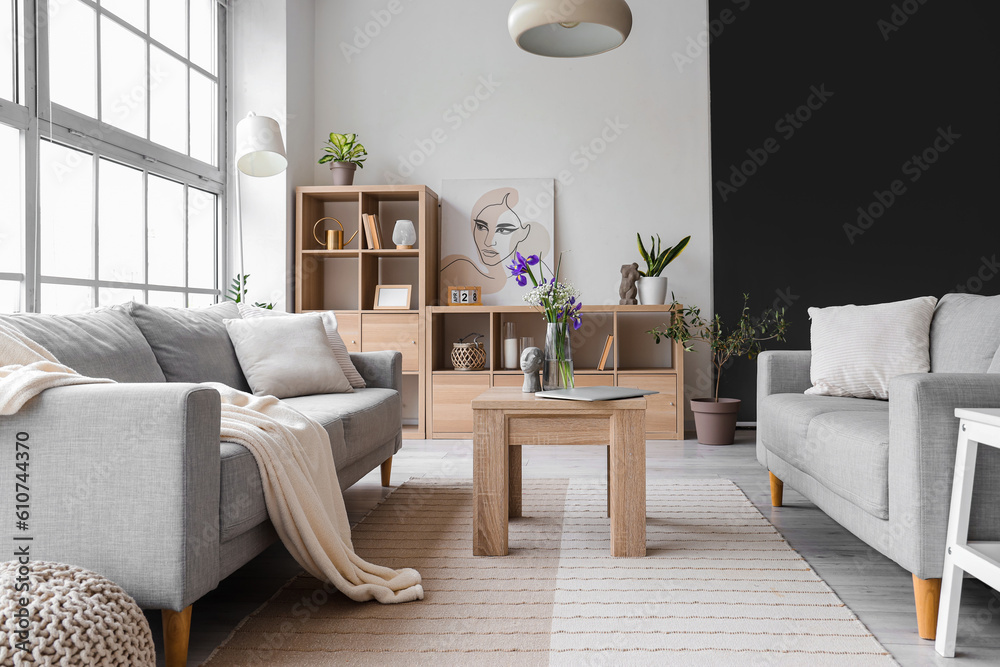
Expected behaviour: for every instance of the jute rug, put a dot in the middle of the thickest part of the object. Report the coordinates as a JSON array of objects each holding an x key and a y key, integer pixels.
[{"x": 719, "y": 586}]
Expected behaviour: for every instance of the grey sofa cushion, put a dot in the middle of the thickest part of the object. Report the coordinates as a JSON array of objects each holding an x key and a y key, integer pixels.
[
  {"x": 783, "y": 420},
  {"x": 192, "y": 344},
  {"x": 362, "y": 420},
  {"x": 849, "y": 455},
  {"x": 965, "y": 334},
  {"x": 241, "y": 494},
  {"x": 102, "y": 343}
]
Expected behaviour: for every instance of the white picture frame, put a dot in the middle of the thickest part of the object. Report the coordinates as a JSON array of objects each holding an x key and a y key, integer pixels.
[{"x": 392, "y": 297}]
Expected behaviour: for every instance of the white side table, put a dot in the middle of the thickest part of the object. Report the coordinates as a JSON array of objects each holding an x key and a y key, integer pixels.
[{"x": 980, "y": 559}]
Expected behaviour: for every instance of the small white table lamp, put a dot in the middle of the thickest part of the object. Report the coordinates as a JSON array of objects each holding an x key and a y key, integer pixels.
[
  {"x": 404, "y": 235},
  {"x": 259, "y": 152}
]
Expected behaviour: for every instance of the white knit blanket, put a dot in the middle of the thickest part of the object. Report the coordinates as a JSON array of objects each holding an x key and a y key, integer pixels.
[{"x": 296, "y": 465}]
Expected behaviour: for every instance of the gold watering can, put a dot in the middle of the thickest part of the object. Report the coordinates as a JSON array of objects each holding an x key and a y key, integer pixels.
[{"x": 334, "y": 237}]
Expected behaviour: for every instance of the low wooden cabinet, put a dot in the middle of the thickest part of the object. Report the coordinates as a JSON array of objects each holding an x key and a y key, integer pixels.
[
  {"x": 451, "y": 405},
  {"x": 508, "y": 380},
  {"x": 393, "y": 331},
  {"x": 637, "y": 362},
  {"x": 662, "y": 411},
  {"x": 349, "y": 328}
]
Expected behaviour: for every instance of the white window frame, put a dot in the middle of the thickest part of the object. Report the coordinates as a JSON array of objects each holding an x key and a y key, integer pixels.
[{"x": 39, "y": 119}]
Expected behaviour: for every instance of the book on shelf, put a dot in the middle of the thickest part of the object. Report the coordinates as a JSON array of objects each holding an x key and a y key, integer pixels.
[
  {"x": 371, "y": 226},
  {"x": 607, "y": 351},
  {"x": 364, "y": 235},
  {"x": 376, "y": 231}
]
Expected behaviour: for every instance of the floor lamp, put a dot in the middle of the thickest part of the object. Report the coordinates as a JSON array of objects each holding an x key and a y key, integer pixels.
[{"x": 259, "y": 152}]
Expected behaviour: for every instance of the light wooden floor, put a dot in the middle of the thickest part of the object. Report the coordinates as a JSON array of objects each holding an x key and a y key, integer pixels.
[{"x": 875, "y": 588}]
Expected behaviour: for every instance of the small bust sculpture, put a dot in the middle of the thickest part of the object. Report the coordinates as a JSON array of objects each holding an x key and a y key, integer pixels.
[
  {"x": 531, "y": 363},
  {"x": 630, "y": 274}
]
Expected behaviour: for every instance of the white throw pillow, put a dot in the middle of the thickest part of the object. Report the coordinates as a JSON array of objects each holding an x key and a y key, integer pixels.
[
  {"x": 336, "y": 342},
  {"x": 287, "y": 356},
  {"x": 856, "y": 350}
]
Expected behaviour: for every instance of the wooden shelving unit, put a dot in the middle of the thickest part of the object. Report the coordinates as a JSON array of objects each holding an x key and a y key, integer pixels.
[
  {"x": 344, "y": 280},
  {"x": 637, "y": 363}
]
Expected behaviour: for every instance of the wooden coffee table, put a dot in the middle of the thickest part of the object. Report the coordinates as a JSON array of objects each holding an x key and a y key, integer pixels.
[{"x": 504, "y": 419}]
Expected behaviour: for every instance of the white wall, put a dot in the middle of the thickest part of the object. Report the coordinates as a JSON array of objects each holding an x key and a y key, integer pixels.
[
  {"x": 644, "y": 121},
  {"x": 258, "y": 83},
  {"x": 642, "y": 118},
  {"x": 299, "y": 137}
]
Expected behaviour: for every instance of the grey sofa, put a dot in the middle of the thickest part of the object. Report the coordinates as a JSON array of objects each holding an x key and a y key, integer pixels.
[
  {"x": 130, "y": 480},
  {"x": 883, "y": 469}
]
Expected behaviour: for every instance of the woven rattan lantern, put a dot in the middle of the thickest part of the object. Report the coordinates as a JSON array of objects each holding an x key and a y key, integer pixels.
[{"x": 468, "y": 356}]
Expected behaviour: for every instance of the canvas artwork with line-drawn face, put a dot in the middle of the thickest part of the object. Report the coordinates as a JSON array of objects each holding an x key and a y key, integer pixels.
[{"x": 484, "y": 223}]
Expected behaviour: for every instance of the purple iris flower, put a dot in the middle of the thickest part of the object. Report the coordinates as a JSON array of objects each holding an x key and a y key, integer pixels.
[
  {"x": 519, "y": 265},
  {"x": 577, "y": 323},
  {"x": 521, "y": 280},
  {"x": 532, "y": 260}
]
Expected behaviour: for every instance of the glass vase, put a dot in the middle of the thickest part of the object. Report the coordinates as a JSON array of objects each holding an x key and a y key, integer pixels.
[{"x": 557, "y": 373}]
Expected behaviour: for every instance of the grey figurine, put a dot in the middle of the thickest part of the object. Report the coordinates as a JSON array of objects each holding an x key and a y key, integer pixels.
[
  {"x": 630, "y": 274},
  {"x": 531, "y": 363}
]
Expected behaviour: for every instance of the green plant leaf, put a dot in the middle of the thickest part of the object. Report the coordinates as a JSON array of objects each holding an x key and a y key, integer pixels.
[
  {"x": 673, "y": 253},
  {"x": 642, "y": 249},
  {"x": 325, "y": 159}
]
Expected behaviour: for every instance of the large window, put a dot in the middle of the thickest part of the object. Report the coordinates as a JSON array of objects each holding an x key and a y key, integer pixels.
[{"x": 110, "y": 181}]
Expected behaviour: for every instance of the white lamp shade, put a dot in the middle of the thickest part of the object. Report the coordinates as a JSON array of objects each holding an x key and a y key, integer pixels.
[
  {"x": 259, "y": 148},
  {"x": 569, "y": 28},
  {"x": 404, "y": 234}
]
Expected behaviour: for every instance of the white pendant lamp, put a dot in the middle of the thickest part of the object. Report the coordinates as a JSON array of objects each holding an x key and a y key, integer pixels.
[{"x": 569, "y": 28}]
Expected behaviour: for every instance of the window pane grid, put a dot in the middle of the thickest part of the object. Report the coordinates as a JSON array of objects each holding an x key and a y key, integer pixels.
[
  {"x": 85, "y": 176},
  {"x": 152, "y": 238},
  {"x": 161, "y": 108}
]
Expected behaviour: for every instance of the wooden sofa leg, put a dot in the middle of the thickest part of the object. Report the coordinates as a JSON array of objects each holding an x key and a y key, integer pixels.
[
  {"x": 927, "y": 595},
  {"x": 386, "y": 471},
  {"x": 777, "y": 487},
  {"x": 176, "y": 632}
]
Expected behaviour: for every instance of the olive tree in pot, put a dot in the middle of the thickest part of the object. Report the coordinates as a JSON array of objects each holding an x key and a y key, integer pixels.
[
  {"x": 715, "y": 418},
  {"x": 651, "y": 285},
  {"x": 344, "y": 154}
]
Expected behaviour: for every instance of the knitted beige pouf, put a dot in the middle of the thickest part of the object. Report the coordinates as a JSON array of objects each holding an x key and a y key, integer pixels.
[{"x": 75, "y": 617}]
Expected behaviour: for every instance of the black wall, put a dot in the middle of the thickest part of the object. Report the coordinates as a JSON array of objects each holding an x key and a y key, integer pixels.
[{"x": 886, "y": 81}]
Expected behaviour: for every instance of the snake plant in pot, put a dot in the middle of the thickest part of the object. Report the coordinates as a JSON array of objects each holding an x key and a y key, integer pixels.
[
  {"x": 714, "y": 417},
  {"x": 651, "y": 285},
  {"x": 345, "y": 154}
]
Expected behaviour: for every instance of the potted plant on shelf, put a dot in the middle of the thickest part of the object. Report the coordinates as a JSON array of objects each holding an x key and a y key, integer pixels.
[
  {"x": 652, "y": 286},
  {"x": 345, "y": 154},
  {"x": 715, "y": 418}
]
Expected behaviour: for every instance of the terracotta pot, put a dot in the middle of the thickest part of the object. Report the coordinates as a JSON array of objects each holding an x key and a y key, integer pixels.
[
  {"x": 715, "y": 421},
  {"x": 652, "y": 291},
  {"x": 343, "y": 172}
]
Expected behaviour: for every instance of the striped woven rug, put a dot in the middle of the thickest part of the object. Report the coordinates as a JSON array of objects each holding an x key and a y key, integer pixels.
[{"x": 719, "y": 586}]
